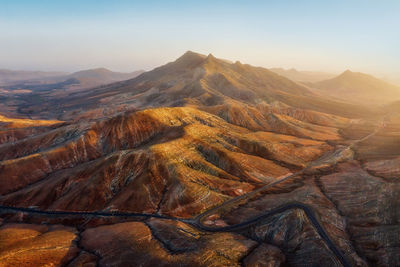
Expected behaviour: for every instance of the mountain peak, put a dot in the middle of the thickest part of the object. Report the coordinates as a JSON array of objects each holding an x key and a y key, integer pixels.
[
  {"x": 190, "y": 58},
  {"x": 210, "y": 59},
  {"x": 210, "y": 56},
  {"x": 351, "y": 75},
  {"x": 191, "y": 55},
  {"x": 347, "y": 72}
]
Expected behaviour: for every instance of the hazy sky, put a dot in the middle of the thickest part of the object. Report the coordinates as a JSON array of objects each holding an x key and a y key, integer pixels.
[{"x": 330, "y": 35}]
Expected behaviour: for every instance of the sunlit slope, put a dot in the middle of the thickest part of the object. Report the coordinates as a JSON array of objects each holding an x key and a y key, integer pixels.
[
  {"x": 177, "y": 160},
  {"x": 12, "y": 129}
]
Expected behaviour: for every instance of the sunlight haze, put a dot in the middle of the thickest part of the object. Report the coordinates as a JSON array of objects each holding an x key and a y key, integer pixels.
[{"x": 129, "y": 35}]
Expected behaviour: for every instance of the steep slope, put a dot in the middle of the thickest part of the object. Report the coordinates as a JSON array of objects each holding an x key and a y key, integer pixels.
[{"x": 359, "y": 88}]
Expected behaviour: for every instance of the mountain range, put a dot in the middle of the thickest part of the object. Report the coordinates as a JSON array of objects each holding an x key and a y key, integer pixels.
[
  {"x": 200, "y": 162},
  {"x": 39, "y": 81},
  {"x": 10, "y": 76}
]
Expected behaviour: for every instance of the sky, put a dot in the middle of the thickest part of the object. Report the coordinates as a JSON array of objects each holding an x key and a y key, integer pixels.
[{"x": 329, "y": 35}]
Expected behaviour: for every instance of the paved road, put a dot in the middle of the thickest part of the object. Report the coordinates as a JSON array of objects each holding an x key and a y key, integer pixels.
[
  {"x": 307, "y": 210},
  {"x": 59, "y": 213}
]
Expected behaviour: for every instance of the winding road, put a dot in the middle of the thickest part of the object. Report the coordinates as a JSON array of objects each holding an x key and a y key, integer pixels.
[
  {"x": 230, "y": 228},
  {"x": 197, "y": 221}
]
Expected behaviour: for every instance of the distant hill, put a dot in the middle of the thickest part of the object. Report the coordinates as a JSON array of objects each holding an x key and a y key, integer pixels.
[
  {"x": 77, "y": 80},
  {"x": 37, "y": 93},
  {"x": 94, "y": 77},
  {"x": 9, "y": 76},
  {"x": 303, "y": 76},
  {"x": 359, "y": 88}
]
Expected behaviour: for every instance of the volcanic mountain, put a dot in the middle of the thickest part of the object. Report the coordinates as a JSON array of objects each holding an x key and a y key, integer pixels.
[
  {"x": 200, "y": 162},
  {"x": 360, "y": 88},
  {"x": 191, "y": 80}
]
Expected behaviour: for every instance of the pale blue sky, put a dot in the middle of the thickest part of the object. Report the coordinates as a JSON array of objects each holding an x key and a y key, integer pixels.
[{"x": 331, "y": 35}]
